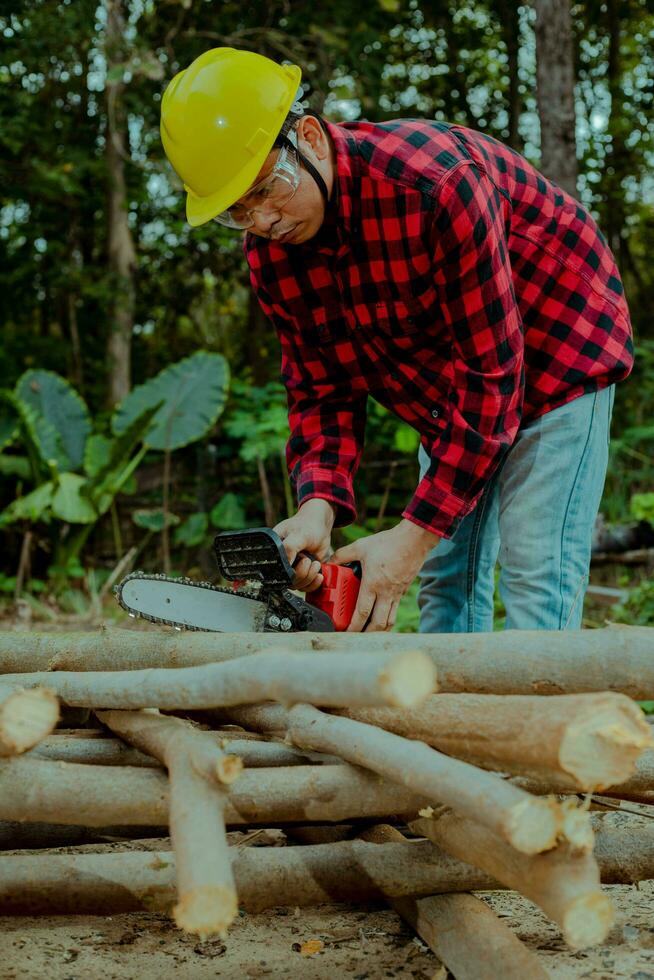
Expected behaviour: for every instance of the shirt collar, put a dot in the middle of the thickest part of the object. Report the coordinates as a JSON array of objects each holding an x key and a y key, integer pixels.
[{"x": 342, "y": 212}]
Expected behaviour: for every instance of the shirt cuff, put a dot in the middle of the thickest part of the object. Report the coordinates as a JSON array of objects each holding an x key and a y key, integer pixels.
[
  {"x": 436, "y": 509},
  {"x": 332, "y": 485}
]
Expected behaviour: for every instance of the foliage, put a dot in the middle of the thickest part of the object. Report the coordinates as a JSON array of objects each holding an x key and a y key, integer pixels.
[
  {"x": 374, "y": 60},
  {"x": 638, "y": 608},
  {"x": 189, "y": 397}
]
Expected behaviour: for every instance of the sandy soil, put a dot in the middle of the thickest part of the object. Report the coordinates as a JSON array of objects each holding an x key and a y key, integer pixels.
[{"x": 364, "y": 942}]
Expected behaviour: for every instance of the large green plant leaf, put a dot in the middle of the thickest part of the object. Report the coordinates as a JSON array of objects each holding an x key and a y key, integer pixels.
[
  {"x": 42, "y": 441},
  {"x": 116, "y": 471},
  {"x": 54, "y": 399},
  {"x": 153, "y": 520},
  {"x": 193, "y": 393},
  {"x": 193, "y": 531},
  {"x": 229, "y": 513},
  {"x": 8, "y": 424},
  {"x": 69, "y": 502},
  {"x": 32, "y": 507}
]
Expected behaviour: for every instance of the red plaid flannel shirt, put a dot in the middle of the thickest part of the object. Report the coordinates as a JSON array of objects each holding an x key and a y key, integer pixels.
[{"x": 457, "y": 286}]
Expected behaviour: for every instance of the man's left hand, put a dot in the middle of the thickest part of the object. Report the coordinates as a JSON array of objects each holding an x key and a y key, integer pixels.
[{"x": 390, "y": 560}]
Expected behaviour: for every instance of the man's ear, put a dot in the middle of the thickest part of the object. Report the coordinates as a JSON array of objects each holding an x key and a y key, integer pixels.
[{"x": 311, "y": 133}]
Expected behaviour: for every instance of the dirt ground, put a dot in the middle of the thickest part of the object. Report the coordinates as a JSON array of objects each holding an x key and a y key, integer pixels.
[{"x": 363, "y": 942}]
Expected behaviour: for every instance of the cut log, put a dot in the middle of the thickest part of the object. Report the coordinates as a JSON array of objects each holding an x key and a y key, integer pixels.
[
  {"x": 528, "y": 823},
  {"x": 301, "y": 876},
  {"x": 254, "y": 753},
  {"x": 594, "y": 739},
  {"x": 198, "y": 770},
  {"x": 169, "y": 739},
  {"x": 402, "y": 680},
  {"x": 463, "y": 931},
  {"x": 618, "y": 658},
  {"x": 92, "y": 796},
  {"x": 565, "y": 884},
  {"x": 26, "y": 717}
]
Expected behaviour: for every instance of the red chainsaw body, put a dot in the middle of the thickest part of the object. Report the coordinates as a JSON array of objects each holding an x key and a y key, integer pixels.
[{"x": 338, "y": 594}]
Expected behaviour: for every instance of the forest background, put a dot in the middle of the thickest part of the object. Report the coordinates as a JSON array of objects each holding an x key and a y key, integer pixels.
[{"x": 140, "y": 400}]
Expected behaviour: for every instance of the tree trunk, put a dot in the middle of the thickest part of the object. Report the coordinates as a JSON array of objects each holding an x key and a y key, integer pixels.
[
  {"x": 301, "y": 876},
  {"x": 463, "y": 932},
  {"x": 555, "y": 78},
  {"x": 122, "y": 255},
  {"x": 26, "y": 717},
  {"x": 564, "y": 884},
  {"x": 618, "y": 658},
  {"x": 99, "y": 751},
  {"x": 368, "y": 679},
  {"x": 529, "y": 824},
  {"x": 94, "y": 796},
  {"x": 593, "y": 739}
]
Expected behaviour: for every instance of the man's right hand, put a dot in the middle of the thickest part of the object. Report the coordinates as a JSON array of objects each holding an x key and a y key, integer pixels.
[{"x": 308, "y": 530}]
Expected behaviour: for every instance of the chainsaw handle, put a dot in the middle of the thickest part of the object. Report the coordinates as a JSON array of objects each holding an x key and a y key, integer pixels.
[{"x": 338, "y": 594}]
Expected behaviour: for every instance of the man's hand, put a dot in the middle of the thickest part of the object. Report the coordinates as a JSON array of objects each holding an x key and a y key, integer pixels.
[
  {"x": 390, "y": 560},
  {"x": 308, "y": 530}
]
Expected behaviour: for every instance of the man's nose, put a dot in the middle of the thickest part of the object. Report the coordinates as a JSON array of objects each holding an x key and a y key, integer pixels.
[{"x": 264, "y": 220}]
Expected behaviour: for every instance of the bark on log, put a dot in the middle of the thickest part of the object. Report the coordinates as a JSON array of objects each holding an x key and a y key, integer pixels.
[
  {"x": 91, "y": 796},
  {"x": 26, "y": 717},
  {"x": 254, "y": 753},
  {"x": 198, "y": 770},
  {"x": 617, "y": 658},
  {"x": 463, "y": 931},
  {"x": 169, "y": 739},
  {"x": 595, "y": 739},
  {"x": 400, "y": 679},
  {"x": 295, "y": 876},
  {"x": 566, "y": 885},
  {"x": 639, "y": 784},
  {"x": 528, "y": 823}
]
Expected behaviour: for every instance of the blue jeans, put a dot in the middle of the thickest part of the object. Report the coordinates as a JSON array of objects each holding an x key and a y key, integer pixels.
[{"x": 536, "y": 516}]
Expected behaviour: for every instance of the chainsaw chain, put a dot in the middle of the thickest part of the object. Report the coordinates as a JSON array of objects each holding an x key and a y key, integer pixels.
[{"x": 184, "y": 580}]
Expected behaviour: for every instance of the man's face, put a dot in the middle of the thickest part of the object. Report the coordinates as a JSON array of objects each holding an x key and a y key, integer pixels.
[{"x": 298, "y": 219}]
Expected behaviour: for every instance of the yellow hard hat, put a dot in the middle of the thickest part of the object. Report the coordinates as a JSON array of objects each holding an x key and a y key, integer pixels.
[{"x": 219, "y": 120}]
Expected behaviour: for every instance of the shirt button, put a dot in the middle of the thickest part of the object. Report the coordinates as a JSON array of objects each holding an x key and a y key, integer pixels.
[
  {"x": 435, "y": 413},
  {"x": 321, "y": 328}
]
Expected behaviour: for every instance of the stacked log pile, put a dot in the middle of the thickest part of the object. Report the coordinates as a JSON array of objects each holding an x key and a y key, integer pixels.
[{"x": 443, "y": 765}]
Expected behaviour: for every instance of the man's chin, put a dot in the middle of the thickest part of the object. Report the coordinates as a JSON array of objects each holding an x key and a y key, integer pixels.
[{"x": 302, "y": 232}]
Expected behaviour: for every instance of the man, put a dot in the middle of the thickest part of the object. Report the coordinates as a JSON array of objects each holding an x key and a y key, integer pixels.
[{"x": 433, "y": 267}]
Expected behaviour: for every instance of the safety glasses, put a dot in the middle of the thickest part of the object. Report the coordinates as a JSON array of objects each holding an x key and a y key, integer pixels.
[{"x": 271, "y": 193}]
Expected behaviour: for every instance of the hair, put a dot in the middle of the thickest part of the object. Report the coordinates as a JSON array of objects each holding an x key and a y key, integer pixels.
[{"x": 294, "y": 114}]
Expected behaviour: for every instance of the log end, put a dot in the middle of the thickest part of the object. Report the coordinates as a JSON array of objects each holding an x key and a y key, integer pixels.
[
  {"x": 600, "y": 748},
  {"x": 576, "y": 827},
  {"x": 408, "y": 679},
  {"x": 229, "y": 768},
  {"x": 587, "y": 920},
  {"x": 27, "y": 717},
  {"x": 534, "y": 825},
  {"x": 206, "y": 911}
]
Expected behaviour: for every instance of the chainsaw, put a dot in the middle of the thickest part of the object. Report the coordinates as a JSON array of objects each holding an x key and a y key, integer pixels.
[{"x": 261, "y": 600}]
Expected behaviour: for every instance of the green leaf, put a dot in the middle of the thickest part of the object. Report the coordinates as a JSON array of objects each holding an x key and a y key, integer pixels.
[
  {"x": 229, "y": 513},
  {"x": 69, "y": 503},
  {"x": 15, "y": 466},
  {"x": 193, "y": 393},
  {"x": 193, "y": 531},
  {"x": 8, "y": 425},
  {"x": 32, "y": 507},
  {"x": 406, "y": 439},
  {"x": 118, "y": 469},
  {"x": 42, "y": 441},
  {"x": 641, "y": 506},
  {"x": 97, "y": 454},
  {"x": 153, "y": 520},
  {"x": 55, "y": 400}
]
